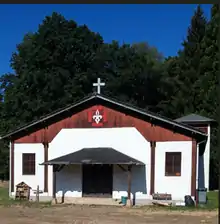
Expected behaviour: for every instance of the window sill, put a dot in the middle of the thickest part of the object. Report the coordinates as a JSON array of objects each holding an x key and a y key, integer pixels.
[
  {"x": 28, "y": 174},
  {"x": 172, "y": 175}
]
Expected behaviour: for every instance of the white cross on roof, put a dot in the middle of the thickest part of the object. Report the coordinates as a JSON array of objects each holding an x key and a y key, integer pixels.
[{"x": 99, "y": 84}]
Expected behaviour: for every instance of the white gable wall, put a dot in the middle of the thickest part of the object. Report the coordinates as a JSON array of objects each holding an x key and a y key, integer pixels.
[
  {"x": 125, "y": 140},
  {"x": 177, "y": 186}
]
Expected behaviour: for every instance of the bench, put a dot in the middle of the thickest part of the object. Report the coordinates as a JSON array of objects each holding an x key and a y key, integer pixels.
[{"x": 162, "y": 196}]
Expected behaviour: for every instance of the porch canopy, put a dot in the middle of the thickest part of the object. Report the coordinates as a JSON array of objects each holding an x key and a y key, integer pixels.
[{"x": 94, "y": 156}]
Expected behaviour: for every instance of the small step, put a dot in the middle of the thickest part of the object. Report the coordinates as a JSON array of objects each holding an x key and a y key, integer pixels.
[{"x": 89, "y": 201}]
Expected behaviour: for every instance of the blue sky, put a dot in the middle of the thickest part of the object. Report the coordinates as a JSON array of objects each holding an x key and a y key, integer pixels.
[{"x": 163, "y": 26}]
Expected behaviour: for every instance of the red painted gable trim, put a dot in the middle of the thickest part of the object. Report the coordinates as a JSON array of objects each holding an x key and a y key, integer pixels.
[{"x": 111, "y": 118}]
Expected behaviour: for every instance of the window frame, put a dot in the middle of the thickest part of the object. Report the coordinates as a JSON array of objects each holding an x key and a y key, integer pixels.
[
  {"x": 173, "y": 170},
  {"x": 28, "y": 165}
]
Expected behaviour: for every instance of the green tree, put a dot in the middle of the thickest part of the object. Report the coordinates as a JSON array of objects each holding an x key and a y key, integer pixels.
[
  {"x": 51, "y": 65},
  {"x": 133, "y": 74},
  {"x": 209, "y": 66},
  {"x": 185, "y": 83},
  {"x": 57, "y": 64},
  {"x": 170, "y": 83}
]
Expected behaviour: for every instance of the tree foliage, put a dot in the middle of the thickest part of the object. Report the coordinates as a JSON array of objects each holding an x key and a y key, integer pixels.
[{"x": 183, "y": 72}]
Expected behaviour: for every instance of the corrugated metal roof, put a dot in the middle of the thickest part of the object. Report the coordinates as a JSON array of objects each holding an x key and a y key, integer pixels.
[
  {"x": 194, "y": 118},
  {"x": 94, "y": 156}
]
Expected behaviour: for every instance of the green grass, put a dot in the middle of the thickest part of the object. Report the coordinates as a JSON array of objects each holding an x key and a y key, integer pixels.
[
  {"x": 3, "y": 194},
  {"x": 5, "y": 200},
  {"x": 212, "y": 204},
  {"x": 212, "y": 199}
]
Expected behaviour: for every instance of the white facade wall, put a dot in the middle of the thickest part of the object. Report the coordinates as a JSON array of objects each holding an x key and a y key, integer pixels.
[
  {"x": 126, "y": 140},
  {"x": 31, "y": 180},
  {"x": 177, "y": 186},
  {"x": 69, "y": 181},
  {"x": 140, "y": 188}
]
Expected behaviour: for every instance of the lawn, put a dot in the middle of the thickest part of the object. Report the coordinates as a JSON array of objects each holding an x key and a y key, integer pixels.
[
  {"x": 212, "y": 199},
  {"x": 3, "y": 194},
  {"x": 5, "y": 200}
]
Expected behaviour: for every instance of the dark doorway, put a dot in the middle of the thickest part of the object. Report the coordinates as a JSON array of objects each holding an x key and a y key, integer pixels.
[{"x": 97, "y": 180}]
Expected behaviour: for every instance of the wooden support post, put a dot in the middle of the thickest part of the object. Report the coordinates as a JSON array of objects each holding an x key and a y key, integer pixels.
[
  {"x": 129, "y": 203},
  {"x": 46, "y": 166},
  {"x": 37, "y": 194},
  {"x": 122, "y": 168},
  {"x": 152, "y": 172},
  {"x": 54, "y": 184},
  {"x": 12, "y": 166},
  {"x": 194, "y": 166},
  {"x": 46, "y": 145}
]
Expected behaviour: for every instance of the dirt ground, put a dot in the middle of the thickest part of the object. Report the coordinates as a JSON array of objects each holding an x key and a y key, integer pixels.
[{"x": 101, "y": 215}]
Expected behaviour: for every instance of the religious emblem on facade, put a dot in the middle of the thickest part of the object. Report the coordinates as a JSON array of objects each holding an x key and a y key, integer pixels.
[{"x": 97, "y": 116}]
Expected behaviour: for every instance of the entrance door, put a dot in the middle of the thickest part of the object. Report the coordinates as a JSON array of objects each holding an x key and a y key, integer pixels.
[{"x": 97, "y": 180}]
